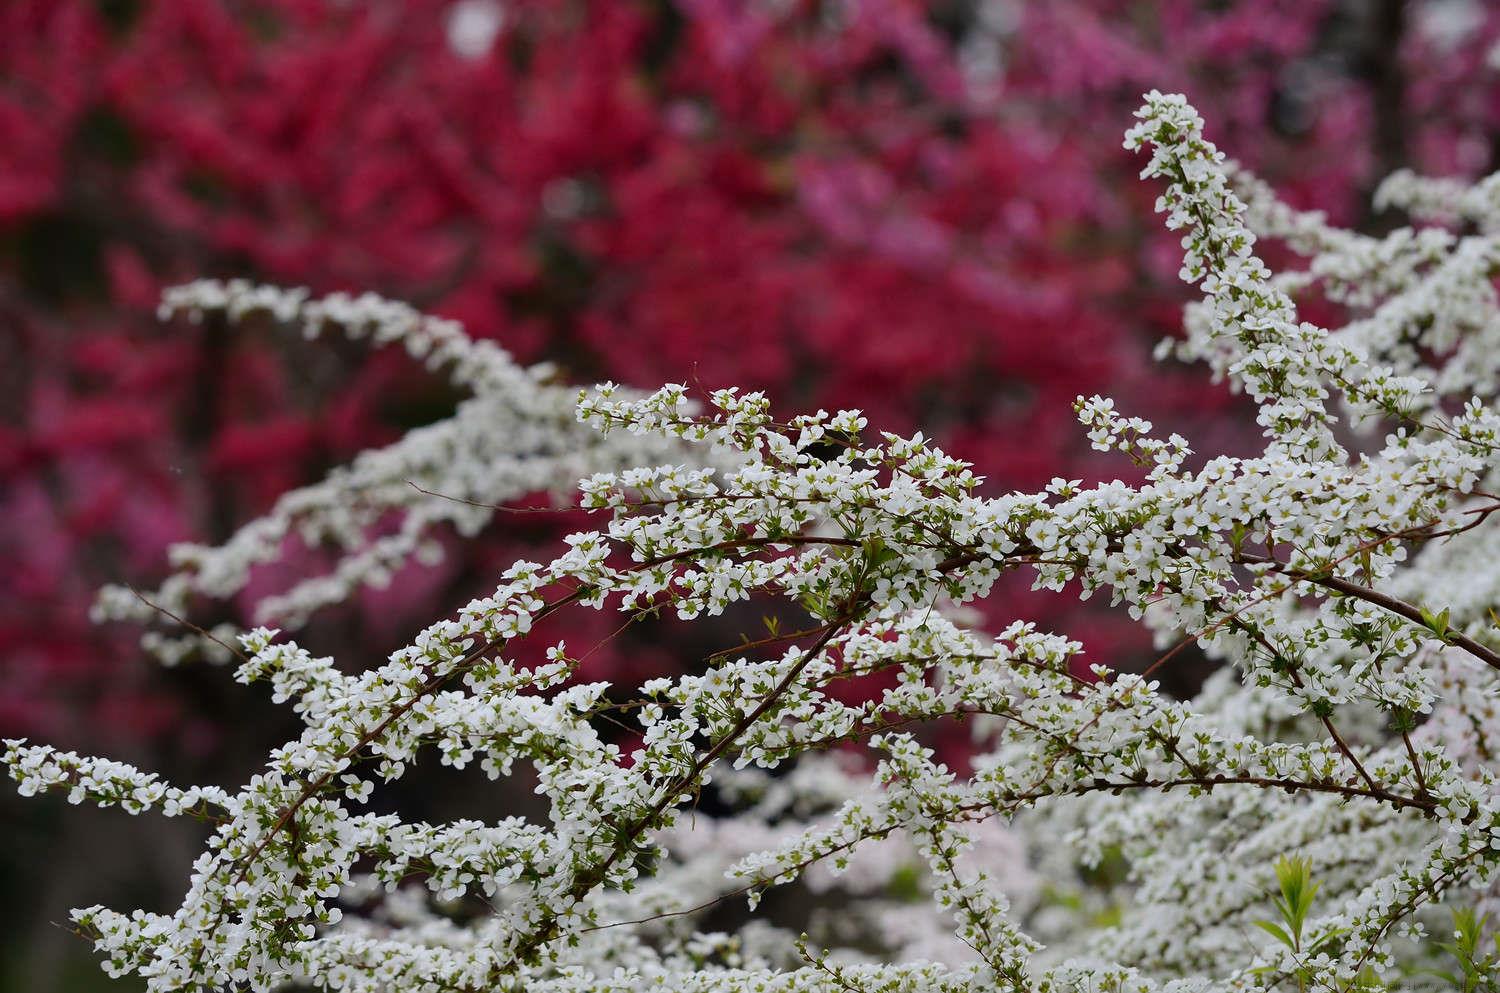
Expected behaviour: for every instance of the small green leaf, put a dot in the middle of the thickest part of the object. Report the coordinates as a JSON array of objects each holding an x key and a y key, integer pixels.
[
  {"x": 1436, "y": 623},
  {"x": 1275, "y": 931}
]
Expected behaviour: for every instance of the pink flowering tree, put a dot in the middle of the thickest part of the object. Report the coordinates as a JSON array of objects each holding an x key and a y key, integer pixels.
[{"x": 546, "y": 172}]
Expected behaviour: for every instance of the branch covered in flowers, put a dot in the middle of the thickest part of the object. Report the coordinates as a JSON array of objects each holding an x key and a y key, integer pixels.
[
  {"x": 1352, "y": 725},
  {"x": 515, "y": 436}
]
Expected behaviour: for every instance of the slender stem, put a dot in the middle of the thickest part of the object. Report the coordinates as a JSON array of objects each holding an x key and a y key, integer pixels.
[
  {"x": 587, "y": 880},
  {"x": 1416, "y": 767},
  {"x": 1379, "y": 599}
]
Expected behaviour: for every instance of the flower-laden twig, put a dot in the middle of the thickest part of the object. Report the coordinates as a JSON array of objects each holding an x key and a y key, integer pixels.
[{"x": 515, "y": 435}]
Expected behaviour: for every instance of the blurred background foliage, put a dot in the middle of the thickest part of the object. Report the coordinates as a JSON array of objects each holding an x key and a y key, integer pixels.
[{"x": 917, "y": 208}]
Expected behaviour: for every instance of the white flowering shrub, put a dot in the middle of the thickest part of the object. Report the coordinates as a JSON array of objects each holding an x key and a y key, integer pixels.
[{"x": 1322, "y": 816}]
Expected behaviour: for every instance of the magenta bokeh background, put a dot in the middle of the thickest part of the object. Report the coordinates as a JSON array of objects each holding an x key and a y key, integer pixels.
[{"x": 921, "y": 209}]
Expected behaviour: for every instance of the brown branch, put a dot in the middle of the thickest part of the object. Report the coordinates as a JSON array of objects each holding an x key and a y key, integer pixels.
[
  {"x": 586, "y": 881},
  {"x": 1379, "y": 599},
  {"x": 1416, "y": 767},
  {"x": 1327, "y": 721},
  {"x": 187, "y": 624}
]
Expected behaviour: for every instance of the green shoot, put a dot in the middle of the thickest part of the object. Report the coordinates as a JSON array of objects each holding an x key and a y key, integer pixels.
[{"x": 1476, "y": 974}]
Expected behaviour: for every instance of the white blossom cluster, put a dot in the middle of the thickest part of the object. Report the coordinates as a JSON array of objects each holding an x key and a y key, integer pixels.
[
  {"x": 1106, "y": 837},
  {"x": 514, "y": 436}
]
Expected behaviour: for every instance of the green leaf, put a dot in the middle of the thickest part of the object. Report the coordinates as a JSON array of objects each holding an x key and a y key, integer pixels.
[
  {"x": 1275, "y": 931},
  {"x": 1295, "y": 878},
  {"x": 1436, "y": 623}
]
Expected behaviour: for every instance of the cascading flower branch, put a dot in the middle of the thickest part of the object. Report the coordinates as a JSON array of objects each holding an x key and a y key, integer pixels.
[
  {"x": 1351, "y": 732},
  {"x": 516, "y": 435}
]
